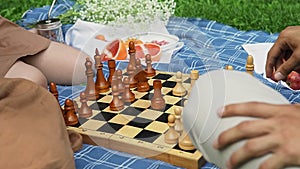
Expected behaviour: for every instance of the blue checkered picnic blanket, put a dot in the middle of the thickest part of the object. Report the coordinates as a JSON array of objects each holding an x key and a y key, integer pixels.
[{"x": 208, "y": 45}]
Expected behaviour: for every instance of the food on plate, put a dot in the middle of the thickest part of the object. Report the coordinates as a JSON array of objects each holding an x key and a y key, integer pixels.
[
  {"x": 135, "y": 40},
  {"x": 293, "y": 80},
  {"x": 115, "y": 50},
  {"x": 148, "y": 48},
  {"x": 160, "y": 43},
  {"x": 100, "y": 37}
]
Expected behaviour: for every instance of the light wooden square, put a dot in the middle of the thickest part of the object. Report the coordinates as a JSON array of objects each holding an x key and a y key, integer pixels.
[
  {"x": 139, "y": 95},
  {"x": 165, "y": 90},
  {"x": 150, "y": 114},
  {"x": 171, "y": 99},
  {"x": 106, "y": 99},
  {"x": 157, "y": 126},
  {"x": 121, "y": 119},
  {"x": 92, "y": 124},
  {"x": 141, "y": 103},
  {"x": 129, "y": 131}
]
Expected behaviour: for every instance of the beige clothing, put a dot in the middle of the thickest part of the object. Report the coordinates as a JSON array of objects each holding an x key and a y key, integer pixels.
[
  {"x": 16, "y": 42},
  {"x": 33, "y": 133}
]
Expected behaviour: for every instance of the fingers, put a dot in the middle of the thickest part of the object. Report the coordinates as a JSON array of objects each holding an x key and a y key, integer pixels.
[
  {"x": 251, "y": 149},
  {"x": 274, "y": 55},
  {"x": 246, "y": 129},
  {"x": 286, "y": 47},
  {"x": 286, "y": 68},
  {"x": 276, "y": 161},
  {"x": 252, "y": 109}
]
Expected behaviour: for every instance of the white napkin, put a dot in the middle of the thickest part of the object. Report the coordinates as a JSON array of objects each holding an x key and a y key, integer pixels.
[
  {"x": 82, "y": 36},
  {"x": 259, "y": 52}
]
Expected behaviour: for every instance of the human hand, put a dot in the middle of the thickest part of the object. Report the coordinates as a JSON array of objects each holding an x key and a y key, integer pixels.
[
  {"x": 276, "y": 131},
  {"x": 284, "y": 56}
]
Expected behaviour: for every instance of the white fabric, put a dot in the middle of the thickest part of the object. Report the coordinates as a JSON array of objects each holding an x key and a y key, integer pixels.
[
  {"x": 259, "y": 51},
  {"x": 211, "y": 92}
]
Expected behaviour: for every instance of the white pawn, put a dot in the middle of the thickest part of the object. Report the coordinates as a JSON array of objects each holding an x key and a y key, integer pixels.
[
  {"x": 185, "y": 142},
  {"x": 178, "y": 123},
  {"x": 171, "y": 136},
  {"x": 179, "y": 89},
  {"x": 194, "y": 76}
]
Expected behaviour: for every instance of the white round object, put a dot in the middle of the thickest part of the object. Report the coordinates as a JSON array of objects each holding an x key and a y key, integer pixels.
[{"x": 211, "y": 92}]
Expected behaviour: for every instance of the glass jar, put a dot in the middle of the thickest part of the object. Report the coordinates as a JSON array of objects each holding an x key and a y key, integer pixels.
[{"x": 50, "y": 29}]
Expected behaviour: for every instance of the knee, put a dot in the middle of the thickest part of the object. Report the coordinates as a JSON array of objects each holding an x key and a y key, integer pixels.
[
  {"x": 25, "y": 71},
  {"x": 40, "y": 79},
  {"x": 37, "y": 77}
]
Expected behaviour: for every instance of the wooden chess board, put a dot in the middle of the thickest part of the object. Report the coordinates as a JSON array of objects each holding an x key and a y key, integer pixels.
[{"x": 137, "y": 129}]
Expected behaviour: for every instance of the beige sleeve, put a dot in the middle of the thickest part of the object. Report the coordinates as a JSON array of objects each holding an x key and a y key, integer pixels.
[{"x": 33, "y": 134}]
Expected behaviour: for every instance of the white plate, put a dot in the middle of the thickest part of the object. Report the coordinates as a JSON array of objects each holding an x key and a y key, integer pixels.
[{"x": 146, "y": 37}]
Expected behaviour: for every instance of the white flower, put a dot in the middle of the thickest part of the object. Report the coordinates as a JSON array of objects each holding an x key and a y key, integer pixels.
[{"x": 122, "y": 12}]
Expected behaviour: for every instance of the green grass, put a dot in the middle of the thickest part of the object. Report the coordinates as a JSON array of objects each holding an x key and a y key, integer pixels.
[{"x": 267, "y": 15}]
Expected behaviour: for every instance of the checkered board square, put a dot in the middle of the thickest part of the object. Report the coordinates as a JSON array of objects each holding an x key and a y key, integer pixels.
[{"x": 137, "y": 128}]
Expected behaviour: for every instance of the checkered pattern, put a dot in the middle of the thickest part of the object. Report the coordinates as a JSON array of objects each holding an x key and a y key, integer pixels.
[
  {"x": 208, "y": 45},
  {"x": 137, "y": 121}
]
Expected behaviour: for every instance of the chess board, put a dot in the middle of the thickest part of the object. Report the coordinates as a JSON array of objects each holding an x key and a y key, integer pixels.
[{"x": 138, "y": 129}]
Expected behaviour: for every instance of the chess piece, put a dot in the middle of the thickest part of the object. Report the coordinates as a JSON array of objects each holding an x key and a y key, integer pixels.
[
  {"x": 229, "y": 67},
  {"x": 76, "y": 108},
  {"x": 131, "y": 75},
  {"x": 250, "y": 65},
  {"x": 157, "y": 101},
  {"x": 70, "y": 117},
  {"x": 69, "y": 105},
  {"x": 178, "y": 123},
  {"x": 179, "y": 89},
  {"x": 112, "y": 68},
  {"x": 138, "y": 66},
  {"x": 142, "y": 82},
  {"x": 194, "y": 76},
  {"x": 149, "y": 70},
  {"x": 85, "y": 111},
  {"x": 185, "y": 142},
  {"x": 128, "y": 95},
  {"x": 171, "y": 136},
  {"x": 116, "y": 104},
  {"x": 131, "y": 52},
  {"x": 53, "y": 90},
  {"x": 120, "y": 83},
  {"x": 114, "y": 80},
  {"x": 101, "y": 84},
  {"x": 90, "y": 90}
]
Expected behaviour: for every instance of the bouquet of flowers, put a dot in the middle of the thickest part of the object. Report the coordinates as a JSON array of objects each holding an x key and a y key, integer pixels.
[{"x": 120, "y": 12}]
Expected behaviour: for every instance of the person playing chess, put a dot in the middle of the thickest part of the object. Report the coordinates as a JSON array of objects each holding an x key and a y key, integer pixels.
[
  {"x": 24, "y": 54},
  {"x": 33, "y": 130},
  {"x": 277, "y": 129}
]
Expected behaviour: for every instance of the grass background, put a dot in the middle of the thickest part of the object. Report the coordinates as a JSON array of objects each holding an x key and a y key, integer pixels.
[{"x": 267, "y": 15}]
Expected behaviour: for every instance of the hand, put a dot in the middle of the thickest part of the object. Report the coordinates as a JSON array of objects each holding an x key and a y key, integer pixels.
[
  {"x": 284, "y": 56},
  {"x": 276, "y": 131}
]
